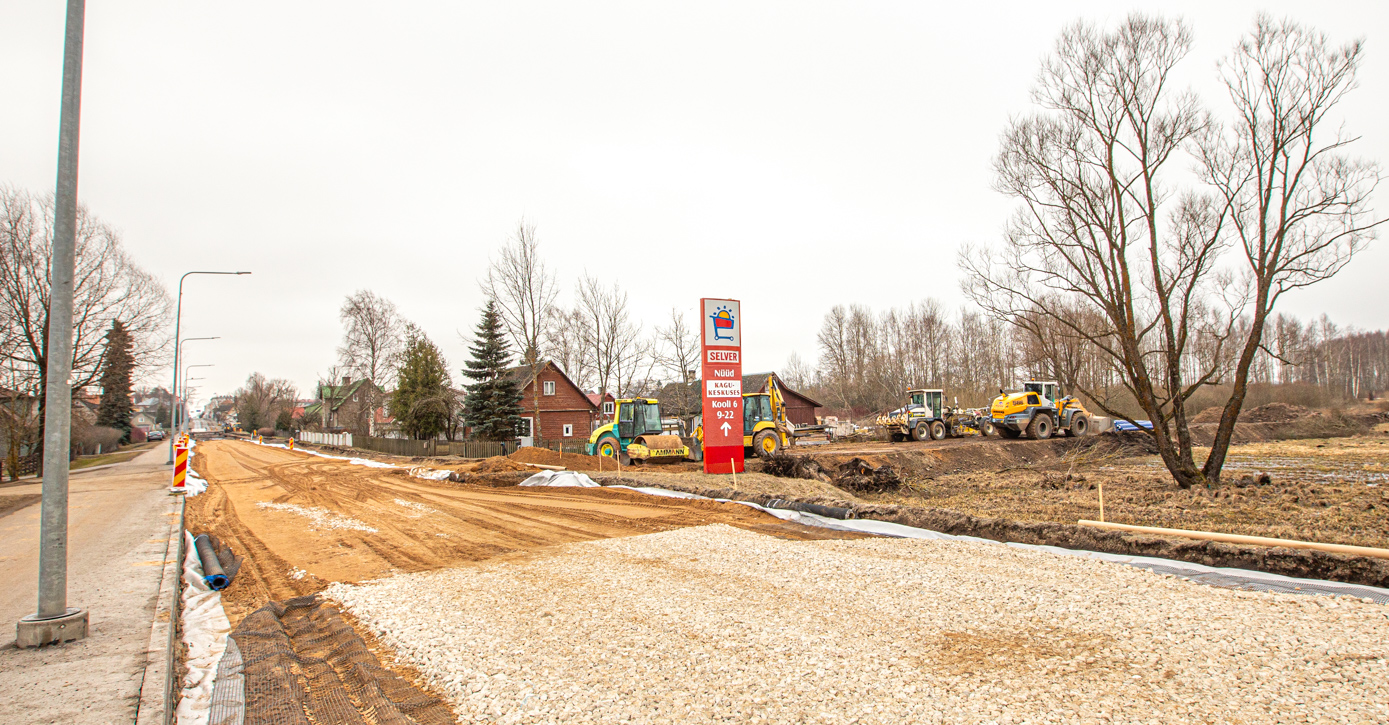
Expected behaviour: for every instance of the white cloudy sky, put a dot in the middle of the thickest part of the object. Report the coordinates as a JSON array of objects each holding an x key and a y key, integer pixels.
[{"x": 794, "y": 155}]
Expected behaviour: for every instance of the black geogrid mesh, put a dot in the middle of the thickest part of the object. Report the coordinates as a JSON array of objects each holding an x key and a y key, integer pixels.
[{"x": 300, "y": 662}]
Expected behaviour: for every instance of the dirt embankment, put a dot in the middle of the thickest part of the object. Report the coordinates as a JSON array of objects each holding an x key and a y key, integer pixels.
[{"x": 1282, "y": 421}]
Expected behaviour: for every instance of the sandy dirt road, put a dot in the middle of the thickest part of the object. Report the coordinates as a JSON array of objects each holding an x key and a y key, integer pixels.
[{"x": 302, "y": 521}]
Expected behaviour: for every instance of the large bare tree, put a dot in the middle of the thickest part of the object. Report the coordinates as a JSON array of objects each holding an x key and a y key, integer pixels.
[
  {"x": 372, "y": 343},
  {"x": 613, "y": 339},
  {"x": 1105, "y": 225},
  {"x": 524, "y": 290},
  {"x": 1298, "y": 203},
  {"x": 1099, "y": 224},
  {"x": 108, "y": 287}
]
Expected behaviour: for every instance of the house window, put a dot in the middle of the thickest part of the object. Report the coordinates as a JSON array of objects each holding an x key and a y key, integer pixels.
[
  {"x": 608, "y": 408},
  {"x": 524, "y": 430},
  {"x": 568, "y": 430},
  {"x": 549, "y": 387}
]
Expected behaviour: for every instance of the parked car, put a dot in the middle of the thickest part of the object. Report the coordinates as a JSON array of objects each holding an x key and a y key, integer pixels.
[{"x": 154, "y": 435}]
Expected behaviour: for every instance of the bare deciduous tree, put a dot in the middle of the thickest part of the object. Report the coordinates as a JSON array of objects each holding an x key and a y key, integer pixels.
[
  {"x": 524, "y": 290},
  {"x": 108, "y": 286},
  {"x": 677, "y": 353},
  {"x": 612, "y": 338},
  {"x": 1298, "y": 203},
  {"x": 260, "y": 401},
  {"x": 1103, "y": 224},
  {"x": 565, "y": 345},
  {"x": 372, "y": 343},
  {"x": 1096, "y": 225}
]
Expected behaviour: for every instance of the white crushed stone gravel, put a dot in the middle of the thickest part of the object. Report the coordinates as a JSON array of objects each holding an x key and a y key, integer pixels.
[
  {"x": 320, "y": 517},
  {"x": 718, "y": 624}
]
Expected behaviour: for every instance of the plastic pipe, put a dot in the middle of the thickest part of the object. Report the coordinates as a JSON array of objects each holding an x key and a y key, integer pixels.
[{"x": 213, "y": 575}]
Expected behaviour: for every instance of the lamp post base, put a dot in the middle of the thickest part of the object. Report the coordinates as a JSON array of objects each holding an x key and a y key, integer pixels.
[{"x": 34, "y": 632}]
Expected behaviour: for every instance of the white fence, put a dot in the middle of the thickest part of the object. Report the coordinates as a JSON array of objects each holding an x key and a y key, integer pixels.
[{"x": 326, "y": 439}]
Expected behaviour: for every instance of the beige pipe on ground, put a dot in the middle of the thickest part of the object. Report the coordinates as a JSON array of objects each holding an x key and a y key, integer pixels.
[{"x": 1239, "y": 539}]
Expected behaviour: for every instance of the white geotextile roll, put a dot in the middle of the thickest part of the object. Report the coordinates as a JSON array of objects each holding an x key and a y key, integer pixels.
[{"x": 205, "y": 630}]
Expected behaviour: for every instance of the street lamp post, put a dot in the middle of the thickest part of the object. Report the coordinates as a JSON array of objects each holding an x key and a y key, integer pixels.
[
  {"x": 54, "y": 621},
  {"x": 184, "y": 385},
  {"x": 173, "y": 397},
  {"x": 178, "y": 318}
]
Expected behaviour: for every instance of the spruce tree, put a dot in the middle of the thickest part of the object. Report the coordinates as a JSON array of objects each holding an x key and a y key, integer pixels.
[
  {"x": 114, "y": 409},
  {"x": 492, "y": 407},
  {"x": 422, "y": 403}
]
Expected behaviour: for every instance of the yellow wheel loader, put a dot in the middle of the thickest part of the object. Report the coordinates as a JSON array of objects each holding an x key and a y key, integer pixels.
[
  {"x": 1039, "y": 411},
  {"x": 637, "y": 436},
  {"x": 926, "y": 416},
  {"x": 766, "y": 430}
]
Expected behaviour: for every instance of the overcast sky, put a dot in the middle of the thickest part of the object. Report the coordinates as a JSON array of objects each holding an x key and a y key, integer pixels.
[{"x": 792, "y": 155}]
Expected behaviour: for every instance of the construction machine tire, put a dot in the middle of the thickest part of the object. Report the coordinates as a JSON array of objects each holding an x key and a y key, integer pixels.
[
  {"x": 921, "y": 431},
  {"x": 987, "y": 429},
  {"x": 1009, "y": 432},
  {"x": 937, "y": 430},
  {"x": 1040, "y": 428},
  {"x": 1080, "y": 426},
  {"x": 766, "y": 443},
  {"x": 609, "y": 447}
]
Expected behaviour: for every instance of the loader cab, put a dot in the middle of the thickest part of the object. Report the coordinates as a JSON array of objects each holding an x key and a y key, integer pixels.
[
  {"x": 1050, "y": 390},
  {"x": 757, "y": 408},
  {"x": 932, "y": 400},
  {"x": 637, "y": 417}
]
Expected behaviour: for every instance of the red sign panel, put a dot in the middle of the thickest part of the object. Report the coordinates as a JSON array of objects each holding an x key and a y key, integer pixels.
[{"x": 721, "y": 364}]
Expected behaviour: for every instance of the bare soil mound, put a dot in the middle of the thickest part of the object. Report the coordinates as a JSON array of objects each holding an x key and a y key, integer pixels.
[
  {"x": 500, "y": 464},
  {"x": 1276, "y": 413},
  {"x": 572, "y": 461}
]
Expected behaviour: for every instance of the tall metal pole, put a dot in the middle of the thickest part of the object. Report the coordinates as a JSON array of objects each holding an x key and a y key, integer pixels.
[
  {"x": 54, "y": 621},
  {"x": 173, "y": 394}
]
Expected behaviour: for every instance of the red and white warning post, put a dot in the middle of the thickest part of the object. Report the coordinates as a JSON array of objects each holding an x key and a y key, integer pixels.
[{"x": 722, "y": 372}]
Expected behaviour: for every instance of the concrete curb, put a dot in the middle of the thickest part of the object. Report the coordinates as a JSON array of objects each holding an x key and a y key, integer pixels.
[{"x": 157, "y": 688}]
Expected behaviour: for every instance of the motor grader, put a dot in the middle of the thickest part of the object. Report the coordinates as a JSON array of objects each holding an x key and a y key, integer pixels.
[
  {"x": 636, "y": 436},
  {"x": 1039, "y": 411},
  {"x": 926, "y": 416}
]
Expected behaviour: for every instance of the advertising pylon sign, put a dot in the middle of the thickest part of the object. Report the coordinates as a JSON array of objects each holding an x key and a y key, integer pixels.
[{"x": 721, "y": 365}]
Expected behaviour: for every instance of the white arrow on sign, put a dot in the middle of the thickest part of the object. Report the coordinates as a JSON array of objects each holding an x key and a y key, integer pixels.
[{"x": 725, "y": 427}]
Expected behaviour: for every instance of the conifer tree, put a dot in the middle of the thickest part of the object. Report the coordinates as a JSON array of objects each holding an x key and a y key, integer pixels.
[
  {"x": 114, "y": 409},
  {"x": 422, "y": 403},
  {"x": 493, "y": 403}
]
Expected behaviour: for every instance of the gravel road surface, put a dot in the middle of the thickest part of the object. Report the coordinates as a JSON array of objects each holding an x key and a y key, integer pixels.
[{"x": 719, "y": 624}]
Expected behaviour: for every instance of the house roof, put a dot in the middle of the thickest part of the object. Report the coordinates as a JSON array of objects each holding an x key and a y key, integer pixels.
[
  {"x": 754, "y": 383},
  {"x": 597, "y": 399},
  {"x": 522, "y": 375},
  {"x": 757, "y": 383},
  {"x": 338, "y": 394}
]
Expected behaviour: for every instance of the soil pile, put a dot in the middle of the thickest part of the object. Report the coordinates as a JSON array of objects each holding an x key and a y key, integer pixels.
[
  {"x": 571, "y": 461},
  {"x": 500, "y": 464},
  {"x": 862, "y": 476},
  {"x": 1276, "y": 413}
]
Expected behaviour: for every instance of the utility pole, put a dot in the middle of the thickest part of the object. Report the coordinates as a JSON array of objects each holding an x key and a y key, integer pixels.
[{"x": 55, "y": 621}]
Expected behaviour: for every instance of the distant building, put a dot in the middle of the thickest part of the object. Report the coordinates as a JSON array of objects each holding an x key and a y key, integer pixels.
[{"x": 349, "y": 406}]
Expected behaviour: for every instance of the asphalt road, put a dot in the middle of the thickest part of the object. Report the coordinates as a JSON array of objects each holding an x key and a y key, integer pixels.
[{"x": 118, "y": 530}]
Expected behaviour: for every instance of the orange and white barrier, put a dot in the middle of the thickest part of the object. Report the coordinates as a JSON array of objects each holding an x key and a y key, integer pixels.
[{"x": 180, "y": 466}]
